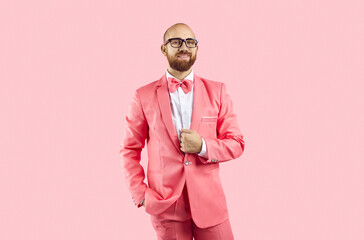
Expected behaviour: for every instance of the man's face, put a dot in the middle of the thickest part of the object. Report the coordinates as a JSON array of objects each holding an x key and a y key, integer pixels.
[{"x": 182, "y": 58}]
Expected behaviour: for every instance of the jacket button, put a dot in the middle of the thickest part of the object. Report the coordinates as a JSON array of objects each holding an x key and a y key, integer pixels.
[{"x": 187, "y": 162}]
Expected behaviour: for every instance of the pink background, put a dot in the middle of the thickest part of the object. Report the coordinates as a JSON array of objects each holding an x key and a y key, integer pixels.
[{"x": 294, "y": 70}]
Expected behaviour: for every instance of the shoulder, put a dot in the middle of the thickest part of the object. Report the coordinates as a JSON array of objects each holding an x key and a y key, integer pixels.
[
  {"x": 212, "y": 85},
  {"x": 147, "y": 88}
]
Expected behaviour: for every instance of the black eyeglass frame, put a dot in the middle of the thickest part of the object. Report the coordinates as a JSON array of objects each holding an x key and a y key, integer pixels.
[{"x": 183, "y": 40}]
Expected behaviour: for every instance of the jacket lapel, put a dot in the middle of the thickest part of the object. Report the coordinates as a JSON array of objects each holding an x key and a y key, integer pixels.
[
  {"x": 198, "y": 103},
  {"x": 165, "y": 107}
]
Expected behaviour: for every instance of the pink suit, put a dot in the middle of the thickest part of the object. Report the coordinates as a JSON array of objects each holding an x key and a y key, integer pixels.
[{"x": 149, "y": 118}]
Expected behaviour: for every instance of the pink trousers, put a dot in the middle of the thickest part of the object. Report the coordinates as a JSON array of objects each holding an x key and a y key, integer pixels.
[{"x": 176, "y": 223}]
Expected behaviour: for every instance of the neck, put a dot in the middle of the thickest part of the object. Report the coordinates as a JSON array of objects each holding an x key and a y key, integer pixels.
[{"x": 179, "y": 75}]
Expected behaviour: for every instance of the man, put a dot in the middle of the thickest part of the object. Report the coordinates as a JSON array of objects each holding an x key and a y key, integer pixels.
[{"x": 190, "y": 128}]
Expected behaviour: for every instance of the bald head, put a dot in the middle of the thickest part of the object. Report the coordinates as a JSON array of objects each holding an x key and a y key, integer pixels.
[{"x": 173, "y": 31}]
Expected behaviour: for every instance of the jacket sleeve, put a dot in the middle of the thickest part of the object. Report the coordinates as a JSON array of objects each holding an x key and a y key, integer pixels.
[
  {"x": 229, "y": 143},
  {"x": 135, "y": 133}
]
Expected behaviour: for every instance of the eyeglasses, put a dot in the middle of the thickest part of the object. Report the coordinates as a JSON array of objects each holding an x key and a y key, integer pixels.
[{"x": 177, "y": 42}]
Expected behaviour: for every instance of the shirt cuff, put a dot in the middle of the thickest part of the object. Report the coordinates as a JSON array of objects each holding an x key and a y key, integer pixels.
[{"x": 203, "y": 152}]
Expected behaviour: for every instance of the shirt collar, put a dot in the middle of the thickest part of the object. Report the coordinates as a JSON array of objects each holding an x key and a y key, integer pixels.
[{"x": 189, "y": 76}]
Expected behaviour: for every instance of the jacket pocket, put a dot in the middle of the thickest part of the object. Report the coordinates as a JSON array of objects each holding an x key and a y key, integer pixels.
[
  {"x": 209, "y": 119},
  {"x": 208, "y": 126}
]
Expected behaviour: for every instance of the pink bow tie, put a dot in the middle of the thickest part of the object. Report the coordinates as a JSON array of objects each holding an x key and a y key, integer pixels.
[{"x": 185, "y": 84}]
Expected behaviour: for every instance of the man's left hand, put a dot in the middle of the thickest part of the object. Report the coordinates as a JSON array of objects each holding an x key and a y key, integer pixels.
[{"x": 190, "y": 141}]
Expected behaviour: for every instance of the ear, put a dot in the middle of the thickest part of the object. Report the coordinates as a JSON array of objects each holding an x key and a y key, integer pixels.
[{"x": 163, "y": 49}]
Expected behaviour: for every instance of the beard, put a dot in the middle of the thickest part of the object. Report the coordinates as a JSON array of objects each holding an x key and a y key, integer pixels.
[{"x": 181, "y": 65}]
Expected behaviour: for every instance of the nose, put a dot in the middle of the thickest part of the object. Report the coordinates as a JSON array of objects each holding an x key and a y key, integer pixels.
[{"x": 184, "y": 45}]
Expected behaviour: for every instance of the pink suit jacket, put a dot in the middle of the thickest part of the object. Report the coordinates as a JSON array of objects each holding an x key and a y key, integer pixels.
[{"x": 149, "y": 118}]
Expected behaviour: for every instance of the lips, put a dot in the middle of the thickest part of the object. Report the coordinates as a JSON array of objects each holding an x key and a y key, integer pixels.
[{"x": 183, "y": 56}]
